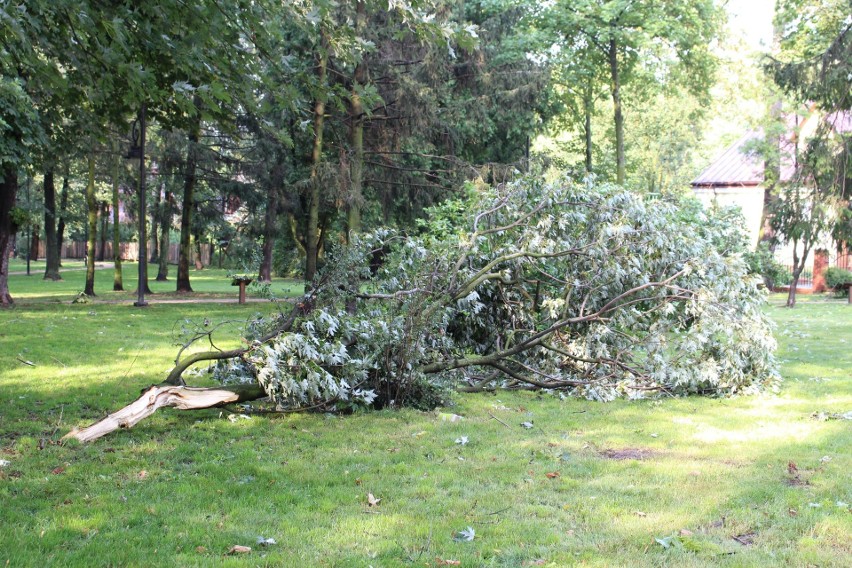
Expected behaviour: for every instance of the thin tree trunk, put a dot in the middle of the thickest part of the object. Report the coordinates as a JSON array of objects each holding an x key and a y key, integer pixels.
[
  {"x": 189, "y": 182},
  {"x": 104, "y": 216},
  {"x": 356, "y": 125},
  {"x": 8, "y": 228},
  {"x": 312, "y": 231},
  {"x": 619, "y": 117},
  {"x": 117, "y": 279},
  {"x": 92, "y": 216},
  {"x": 270, "y": 230},
  {"x": 588, "y": 109},
  {"x": 63, "y": 208},
  {"x": 771, "y": 176},
  {"x": 199, "y": 263},
  {"x": 165, "y": 229},
  {"x": 156, "y": 214},
  {"x": 51, "y": 246},
  {"x": 798, "y": 268}
]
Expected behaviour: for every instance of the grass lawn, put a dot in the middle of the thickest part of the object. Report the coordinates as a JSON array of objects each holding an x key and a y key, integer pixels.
[{"x": 752, "y": 481}]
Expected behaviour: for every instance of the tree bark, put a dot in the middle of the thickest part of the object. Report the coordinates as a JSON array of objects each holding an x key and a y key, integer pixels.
[
  {"x": 189, "y": 182},
  {"x": 270, "y": 230},
  {"x": 51, "y": 246},
  {"x": 165, "y": 229},
  {"x": 588, "y": 109},
  {"x": 117, "y": 279},
  {"x": 92, "y": 216},
  {"x": 34, "y": 242},
  {"x": 63, "y": 208},
  {"x": 8, "y": 228},
  {"x": 155, "y": 228},
  {"x": 356, "y": 135},
  {"x": 161, "y": 396},
  {"x": 620, "y": 174},
  {"x": 199, "y": 263},
  {"x": 104, "y": 216},
  {"x": 312, "y": 231}
]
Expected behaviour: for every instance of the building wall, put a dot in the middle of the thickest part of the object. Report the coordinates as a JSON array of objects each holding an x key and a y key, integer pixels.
[{"x": 748, "y": 199}]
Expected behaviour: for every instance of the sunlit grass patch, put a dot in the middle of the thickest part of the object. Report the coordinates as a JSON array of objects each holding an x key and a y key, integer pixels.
[{"x": 751, "y": 481}]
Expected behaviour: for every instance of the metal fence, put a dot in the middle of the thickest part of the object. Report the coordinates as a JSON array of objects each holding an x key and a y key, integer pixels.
[{"x": 806, "y": 278}]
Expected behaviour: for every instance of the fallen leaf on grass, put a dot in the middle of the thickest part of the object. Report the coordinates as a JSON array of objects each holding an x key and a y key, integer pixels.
[
  {"x": 442, "y": 562},
  {"x": 57, "y": 470},
  {"x": 142, "y": 475},
  {"x": 792, "y": 512},
  {"x": 371, "y": 500},
  {"x": 200, "y": 549},
  {"x": 539, "y": 562},
  {"x": 552, "y": 474},
  {"x": 685, "y": 532},
  {"x": 239, "y": 549},
  {"x": 641, "y": 514}
]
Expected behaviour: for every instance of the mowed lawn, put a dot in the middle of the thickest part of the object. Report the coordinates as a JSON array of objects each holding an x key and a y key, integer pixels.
[{"x": 750, "y": 481}]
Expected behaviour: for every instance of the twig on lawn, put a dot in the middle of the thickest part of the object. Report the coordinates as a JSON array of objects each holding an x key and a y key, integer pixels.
[
  {"x": 25, "y": 362},
  {"x": 58, "y": 422},
  {"x": 500, "y": 421}
]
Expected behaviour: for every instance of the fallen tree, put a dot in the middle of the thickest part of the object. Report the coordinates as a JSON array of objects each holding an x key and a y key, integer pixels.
[{"x": 559, "y": 286}]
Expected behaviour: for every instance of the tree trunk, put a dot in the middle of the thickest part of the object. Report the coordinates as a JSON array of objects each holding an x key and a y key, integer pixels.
[
  {"x": 92, "y": 216},
  {"x": 619, "y": 117},
  {"x": 155, "y": 228},
  {"x": 771, "y": 176},
  {"x": 51, "y": 246},
  {"x": 189, "y": 181},
  {"x": 165, "y": 228},
  {"x": 8, "y": 227},
  {"x": 34, "y": 242},
  {"x": 199, "y": 264},
  {"x": 588, "y": 109},
  {"x": 63, "y": 208},
  {"x": 104, "y": 213},
  {"x": 117, "y": 279},
  {"x": 798, "y": 268},
  {"x": 356, "y": 135},
  {"x": 180, "y": 397},
  {"x": 270, "y": 229},
  {"x": 312, "y": 232}
]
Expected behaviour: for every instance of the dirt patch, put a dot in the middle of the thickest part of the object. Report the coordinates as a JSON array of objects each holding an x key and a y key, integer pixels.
[
  {"x": 797, "y": 482},
  {"x": 629, "y": 454}
]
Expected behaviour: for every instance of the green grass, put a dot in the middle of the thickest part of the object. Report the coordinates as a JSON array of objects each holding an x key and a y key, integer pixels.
[
  {"x": 151, "y": 496},
  {"x": 210, "y": 283}
]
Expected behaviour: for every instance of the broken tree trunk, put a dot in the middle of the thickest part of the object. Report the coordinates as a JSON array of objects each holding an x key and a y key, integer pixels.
[{"x": 160, "y": 396}]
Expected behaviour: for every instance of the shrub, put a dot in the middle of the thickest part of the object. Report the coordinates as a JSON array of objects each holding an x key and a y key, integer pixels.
[
  {"x": 838, "y": 280},
  {"x": 762, "y": 263}
]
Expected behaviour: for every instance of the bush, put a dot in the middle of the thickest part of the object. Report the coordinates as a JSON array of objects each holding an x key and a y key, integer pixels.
[
  {"x": 838, "y": 280},
  {"x": 761, "y": 262}
]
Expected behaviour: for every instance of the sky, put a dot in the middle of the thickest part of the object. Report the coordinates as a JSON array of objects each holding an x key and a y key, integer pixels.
[{"x": 752, "y": 19}]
